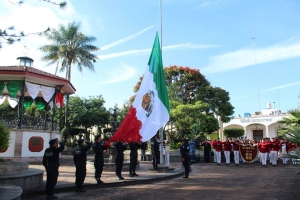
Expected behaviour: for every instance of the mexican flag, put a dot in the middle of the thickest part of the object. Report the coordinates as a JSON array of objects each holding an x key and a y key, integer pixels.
[{"x": 150, "y": 109}]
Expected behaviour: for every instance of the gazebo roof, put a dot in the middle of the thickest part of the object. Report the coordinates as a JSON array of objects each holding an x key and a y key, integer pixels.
[{"x": 33, "y": 75}]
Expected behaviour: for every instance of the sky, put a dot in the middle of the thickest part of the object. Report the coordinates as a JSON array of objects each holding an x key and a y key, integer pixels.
[{"x": 249, "y": 48}]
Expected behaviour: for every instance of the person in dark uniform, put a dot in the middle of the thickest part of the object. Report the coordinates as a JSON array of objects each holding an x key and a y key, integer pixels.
[
  {"x": 80, "y": 163},
  {"x": 120, "y": 148},
  {"x": 51, "y": 164},
  {"x": 144, "y": 147},
  {"x": 98, "y": 148},
  {"x": 207, "y": 150},
  {"x": 155, "y": 152},
  {"x": 133, "y": 158},
  {"x": 185, "y": 157}
]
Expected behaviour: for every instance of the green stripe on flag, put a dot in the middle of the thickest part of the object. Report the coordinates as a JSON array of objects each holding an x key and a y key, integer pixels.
[{"x": 156, "y": 68}]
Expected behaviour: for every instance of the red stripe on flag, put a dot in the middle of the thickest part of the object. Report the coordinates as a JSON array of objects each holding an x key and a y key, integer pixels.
[{"x": 129, "y": 131}]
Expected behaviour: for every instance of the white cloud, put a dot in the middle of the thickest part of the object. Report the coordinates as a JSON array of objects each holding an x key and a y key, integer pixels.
[
  {"x": 215, "y": 5},
  {"x": 31, "y": 17},
  {"x": 283, "y": 86},
  {"x": 120, "y": 74},
  {"x": 125, "y": 39},
  {"x": 246, "y": 57},
  {"x": 147, "y": 51}
]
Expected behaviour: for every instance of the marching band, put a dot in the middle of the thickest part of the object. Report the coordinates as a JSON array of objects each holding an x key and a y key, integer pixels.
[{"x": 271, "y": 149}]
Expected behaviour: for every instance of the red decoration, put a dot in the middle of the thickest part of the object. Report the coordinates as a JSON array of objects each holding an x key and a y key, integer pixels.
[{"x": 36, "y": 144}]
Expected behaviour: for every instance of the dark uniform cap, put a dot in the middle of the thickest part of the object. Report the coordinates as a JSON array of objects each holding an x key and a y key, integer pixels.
[
  {"x": 185, "y": 140},
  {"x": 79, "y": 142},
  {"x": 97, "y": 137},
  {"x": 52, "y": 142}
]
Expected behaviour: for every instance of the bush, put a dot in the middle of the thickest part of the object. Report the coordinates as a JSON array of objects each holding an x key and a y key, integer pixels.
[
  {"x": 175, "y": 145},
  {"x": 234, "y": 132},
  {"x": 4, "y": 136}
]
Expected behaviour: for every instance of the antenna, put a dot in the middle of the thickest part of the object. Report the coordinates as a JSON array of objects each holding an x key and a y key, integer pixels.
[{"x": 257, "y": 78}]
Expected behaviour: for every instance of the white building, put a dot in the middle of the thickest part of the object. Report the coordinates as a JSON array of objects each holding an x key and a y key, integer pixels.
[{"x": 259, "y": 124}]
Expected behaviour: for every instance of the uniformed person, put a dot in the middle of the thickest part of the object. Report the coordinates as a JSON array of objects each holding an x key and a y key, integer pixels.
[
  {"x": 185, "y": 157},
  {"x": 98, "y": 148},
  {"x": 207, "y": 150},
  {"x": 133, "y": 146},
  {"x": 120, "y": 148},
  {"x": 51, "y": 164},
  {"x": 80, "y": 163},
  {"x": 155, "y": 152}
]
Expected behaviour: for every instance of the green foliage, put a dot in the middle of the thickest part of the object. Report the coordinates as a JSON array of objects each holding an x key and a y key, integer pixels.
[
  {"x": 70, "y": 46},
  {"x": 174, "y": 145},
  {"x": 218, "y": 100},
  {"x": 4, "y": 136},
  {"x": 208, "y": 124},
  {"x": 234, "y": 132},
  {"x": 7, "y": 112},
  {"x": 87, "y": 113},
  {"x": 65, "y": 134},
  {"x": 185, "y": 115},
  {"x": 291, "y": 132}
]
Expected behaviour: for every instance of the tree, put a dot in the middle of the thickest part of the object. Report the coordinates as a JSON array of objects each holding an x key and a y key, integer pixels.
[
  {"x": 9, "y": 35},
  {"x": 234, "y": 132},
  {"x": 7, "y": 112},
  {"x": 291, "y": 131},
  {"x": 185, "y": 116},
  {"x": 218, "y": 100},
  {"x": 69, "y": 47},
  {"x": 4, "y": 136},
  {"x": 87, "y": 112}
]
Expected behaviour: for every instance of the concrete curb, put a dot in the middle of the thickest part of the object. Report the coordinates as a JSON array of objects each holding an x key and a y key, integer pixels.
[{"x": 71, "y": 187}]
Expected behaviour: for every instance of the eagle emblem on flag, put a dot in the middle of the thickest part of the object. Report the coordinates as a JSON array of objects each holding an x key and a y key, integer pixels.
[{"x": 148, "y": 102}]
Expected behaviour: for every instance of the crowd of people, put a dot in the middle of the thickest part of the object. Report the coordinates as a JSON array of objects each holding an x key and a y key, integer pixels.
[{"x": 271, "y": 149}]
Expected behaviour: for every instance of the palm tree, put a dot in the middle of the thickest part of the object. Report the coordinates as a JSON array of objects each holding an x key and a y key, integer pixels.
[
  {"x": 69, "y": 47},
  {"x": 291, "y": 132}
]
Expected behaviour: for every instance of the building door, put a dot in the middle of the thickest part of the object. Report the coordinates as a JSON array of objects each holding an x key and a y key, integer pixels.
[{"x": 258, "y": 135}]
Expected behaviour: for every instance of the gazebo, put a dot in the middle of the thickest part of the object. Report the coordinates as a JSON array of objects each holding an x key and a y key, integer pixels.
[{"x": 21, "y": 86}]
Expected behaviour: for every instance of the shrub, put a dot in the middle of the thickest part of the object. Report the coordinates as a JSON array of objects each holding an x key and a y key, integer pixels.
[
  {"x": 234, "y": 132},
  {"x": 4, "y": 136}
]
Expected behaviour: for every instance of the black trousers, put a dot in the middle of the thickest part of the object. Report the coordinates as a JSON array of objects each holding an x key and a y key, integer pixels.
[
  {"x": 206, "y": 155},
  {"x": 119, "y": 163},
  {"x": 133, "y": 162},
  {"x": 155, "y": 159},
  {"x": 80, "y": 174},
  {"x": 186, "y": 164},
  {"x": 52, "y": 174},
  {"x": 98, "y": 164}
]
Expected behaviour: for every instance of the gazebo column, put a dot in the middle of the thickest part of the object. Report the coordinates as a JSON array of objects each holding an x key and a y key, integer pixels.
[{"x": 21, "y": 105}]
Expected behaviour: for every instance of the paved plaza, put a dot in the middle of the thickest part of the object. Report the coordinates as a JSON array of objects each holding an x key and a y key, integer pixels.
[{"x": 207, "y": 181}]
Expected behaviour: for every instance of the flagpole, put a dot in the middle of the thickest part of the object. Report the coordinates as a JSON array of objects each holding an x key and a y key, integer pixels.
[{"x": 161, "y": 132}]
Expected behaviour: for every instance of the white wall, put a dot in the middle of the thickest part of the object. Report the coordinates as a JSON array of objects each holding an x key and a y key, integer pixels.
[
  {"x": 10, "y": 152},
  {"x": 47, "y": 136}
]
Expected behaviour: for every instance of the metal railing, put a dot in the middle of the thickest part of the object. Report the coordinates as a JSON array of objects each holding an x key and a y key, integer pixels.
[{"x": 30, "y": 123}]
